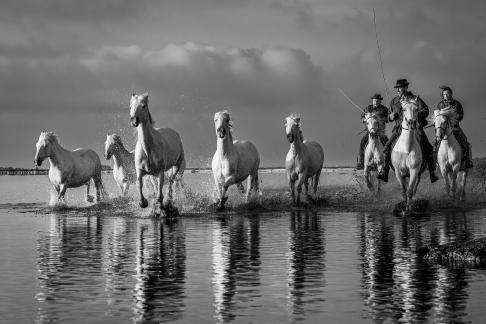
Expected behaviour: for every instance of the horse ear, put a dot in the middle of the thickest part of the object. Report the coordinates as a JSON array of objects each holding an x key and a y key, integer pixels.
[{"x": 145, "y": 98}]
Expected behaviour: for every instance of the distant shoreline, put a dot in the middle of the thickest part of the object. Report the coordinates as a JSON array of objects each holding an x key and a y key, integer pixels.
[{"x": 25, "y": 171}]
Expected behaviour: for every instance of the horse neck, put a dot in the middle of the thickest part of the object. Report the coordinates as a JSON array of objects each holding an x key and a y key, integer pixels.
[
  {"x": 120, "y": 155},
  {"x": 225, "y": 145},
  {"x": 145, "y": 134},
  {"x": 58, "y": 155},
  {"x": 449, "y": 139},
  {"x": 410, "y": 139},
  {"x": 297, "y": 146}
]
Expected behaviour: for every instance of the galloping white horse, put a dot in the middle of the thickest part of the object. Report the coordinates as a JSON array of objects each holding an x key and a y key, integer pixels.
[
  {"x": 157, "y": 150},
  {"x": 406, "y": 156},
  {"x": 449, "y": 154},
  {"x": 233, "y": 161},
  {"x": 69, "y": 169},
  {"x": 373, "y": 157},
  {"x": 123, "y": 162},
  {"x": 124, "y": 165},
  {"x": 304, "y": 159}
]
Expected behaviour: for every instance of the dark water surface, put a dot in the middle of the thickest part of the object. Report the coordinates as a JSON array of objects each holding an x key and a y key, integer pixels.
[{"x": 109, "y": 265}]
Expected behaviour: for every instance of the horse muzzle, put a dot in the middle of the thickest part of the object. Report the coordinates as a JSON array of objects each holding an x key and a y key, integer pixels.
[
  {"x": 134, "y": 121},
  {"x": 107, "y": 156},
  {"x": 221, "y": 132},
  {"x": 37, "y": 162},
  {"x": 290, "y": 138}
]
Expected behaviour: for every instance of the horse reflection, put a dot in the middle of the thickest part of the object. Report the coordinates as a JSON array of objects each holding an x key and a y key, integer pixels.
[
  {"x": 159, "y": 291},
  {"x": 306, "y": 262},
  {"x": 71, "y": 246},
  {"x": 398, "y": 285},
  {"x": 236, "y": 264}
]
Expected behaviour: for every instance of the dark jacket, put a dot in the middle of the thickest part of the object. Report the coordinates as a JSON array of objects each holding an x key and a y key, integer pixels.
[
  {"x": 454, "y": 105},
  {"x": 396, "y": 107}
]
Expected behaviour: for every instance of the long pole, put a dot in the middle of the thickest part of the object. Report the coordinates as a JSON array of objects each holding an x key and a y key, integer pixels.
[
  {"x": 379, "y": 54},
  {"x": 351, "y": 101}
]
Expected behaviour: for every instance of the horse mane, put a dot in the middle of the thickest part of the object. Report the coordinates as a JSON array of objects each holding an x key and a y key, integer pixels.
[
  {"x": 50, "y": 136},
  {"x": 296, "y": 119},
  {"x": 117, "y": 140},
  {"x": 227, "y": 116}
]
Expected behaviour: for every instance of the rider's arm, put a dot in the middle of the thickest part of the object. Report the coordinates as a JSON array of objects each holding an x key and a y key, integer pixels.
[
  {"x": 459, "y": 111},
  {"x": 423, "y": 110}
]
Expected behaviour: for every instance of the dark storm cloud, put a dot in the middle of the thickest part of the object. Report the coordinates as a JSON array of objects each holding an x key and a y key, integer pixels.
[{"x": 71, "y": 9}]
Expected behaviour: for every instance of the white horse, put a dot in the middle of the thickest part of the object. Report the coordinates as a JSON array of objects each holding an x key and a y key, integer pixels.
[
  {"x": 123, "y": 162},
  {"x": 124, "y": 166},
  {"x": 233, "y": 161},
  {"x": 157, "y": 150},
  {"x": 69, "y": 169},
  {"x": 373, "y": 157},
  {"x": 304, "y": 159},
  {"x": 449, "y": 154},
  {"x": 406, "y": 156}
]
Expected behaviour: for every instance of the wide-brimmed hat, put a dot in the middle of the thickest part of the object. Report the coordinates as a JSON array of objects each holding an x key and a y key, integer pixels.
[
  {"x": 401, "y": 83},
  {"x": 444, "y": 88},
  {"x": 377, "y": 96}
]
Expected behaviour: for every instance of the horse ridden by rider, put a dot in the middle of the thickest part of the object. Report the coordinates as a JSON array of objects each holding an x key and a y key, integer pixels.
[
  {"x": 381, "y": 113},
  {"x": 454, "y": 108},
  {"x": 396, "y": 115}
]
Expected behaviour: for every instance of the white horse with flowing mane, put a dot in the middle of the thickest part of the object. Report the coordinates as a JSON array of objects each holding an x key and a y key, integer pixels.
[
  {"x": 124, "y": 165},
  {"x": 233, "y": 161},
  {"x": 449, "y": 154},
  {"x": 304, "y": 159},
  {"x": 157, "y": 150},
  {"x": 69, "y": 169},
  {"x": 373, "y": 156},
  {"x": 406, "y": 156}
]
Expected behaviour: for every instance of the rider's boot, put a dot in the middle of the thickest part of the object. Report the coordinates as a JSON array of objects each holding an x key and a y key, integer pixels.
[{"x": 383, "y": 175}]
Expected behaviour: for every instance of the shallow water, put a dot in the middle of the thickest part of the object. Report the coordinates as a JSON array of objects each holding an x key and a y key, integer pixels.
[{"x": 111, "y": 263}]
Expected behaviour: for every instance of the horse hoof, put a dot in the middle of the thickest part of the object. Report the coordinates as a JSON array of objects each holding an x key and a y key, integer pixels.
[
  {"x": 220, "y": 208},
  {"x": 90, "y": 198},
  {"x": 143, "y": 203}
]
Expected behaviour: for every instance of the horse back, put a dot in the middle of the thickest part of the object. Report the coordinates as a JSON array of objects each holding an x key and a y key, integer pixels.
[
  {"x": 248, "y": 157},
  {"x": 171, "y": 146},
  {"x": 316, "y": 156},
  {"x": 86, "y": 164}
]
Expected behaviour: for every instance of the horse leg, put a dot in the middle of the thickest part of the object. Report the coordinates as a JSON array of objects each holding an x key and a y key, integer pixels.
[
  {"x": 447, "y": 186},
  {"x": 143, "y": 202},
  {"x": 99, "y": 187},
  {"x": 125, "y": 187},
  {"x": 62, "y": 191},
  {"x": 240, "y": 187},
  {"x": 367, "y": 175},
  {"x": 300, "y": 181},
  {"x": 292, "y": 188},
  {"x": 412, "y": 186},
  {"x": 316, "y": 181},
  {"x": 160, "y": 195},
  {"x": 454, "y": 182},
  {"x": 462, "y": 191},
  {"x": 89, "y": 198}
]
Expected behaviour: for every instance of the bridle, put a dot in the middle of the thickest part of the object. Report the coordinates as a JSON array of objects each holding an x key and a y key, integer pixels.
[{"x": 448, "y": 126}]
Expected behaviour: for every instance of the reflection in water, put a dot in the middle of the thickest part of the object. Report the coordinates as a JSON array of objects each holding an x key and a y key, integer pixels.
[
  {"x": 398, "y": 285},
  {"x": 160, "y": 272},
  {"x": 68, "y": 258},
  {"x": 236, "y": 264},
  {"x": 306, "y": 263}
]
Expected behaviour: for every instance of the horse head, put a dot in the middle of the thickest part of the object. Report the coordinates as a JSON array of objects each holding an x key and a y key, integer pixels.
[
  {"x": 139, "y": 112},
  {"x": 44, "y": 147},
  {"x": 292, "y": 128},
  {"x": 410, "y": 115},
  {"x": 443, "y": 122},
  {"x": 222, "y": 123},
  {"x": 112, "y": 143},
  {"x": 372, "y": 124}
]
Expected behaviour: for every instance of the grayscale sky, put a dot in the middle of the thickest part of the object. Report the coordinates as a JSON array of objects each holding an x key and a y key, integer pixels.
[{"x": 70, "y": 67}]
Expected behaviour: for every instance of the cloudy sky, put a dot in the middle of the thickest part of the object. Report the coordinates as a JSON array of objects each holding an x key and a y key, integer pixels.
[{"x": 70, "y": 67}]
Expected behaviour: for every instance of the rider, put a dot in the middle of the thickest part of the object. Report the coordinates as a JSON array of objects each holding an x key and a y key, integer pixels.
[
  {"x": 396, "y": 114},
  {"x": 382, "y": 112},
  {"x": 456, "y": 107}
]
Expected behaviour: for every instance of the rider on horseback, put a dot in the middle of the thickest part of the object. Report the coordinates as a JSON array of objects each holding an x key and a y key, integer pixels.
[
  {"x": 382, "y": 112},
  {"x": 456, "y": 108},
  {"x": 396, "y": 114}
]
